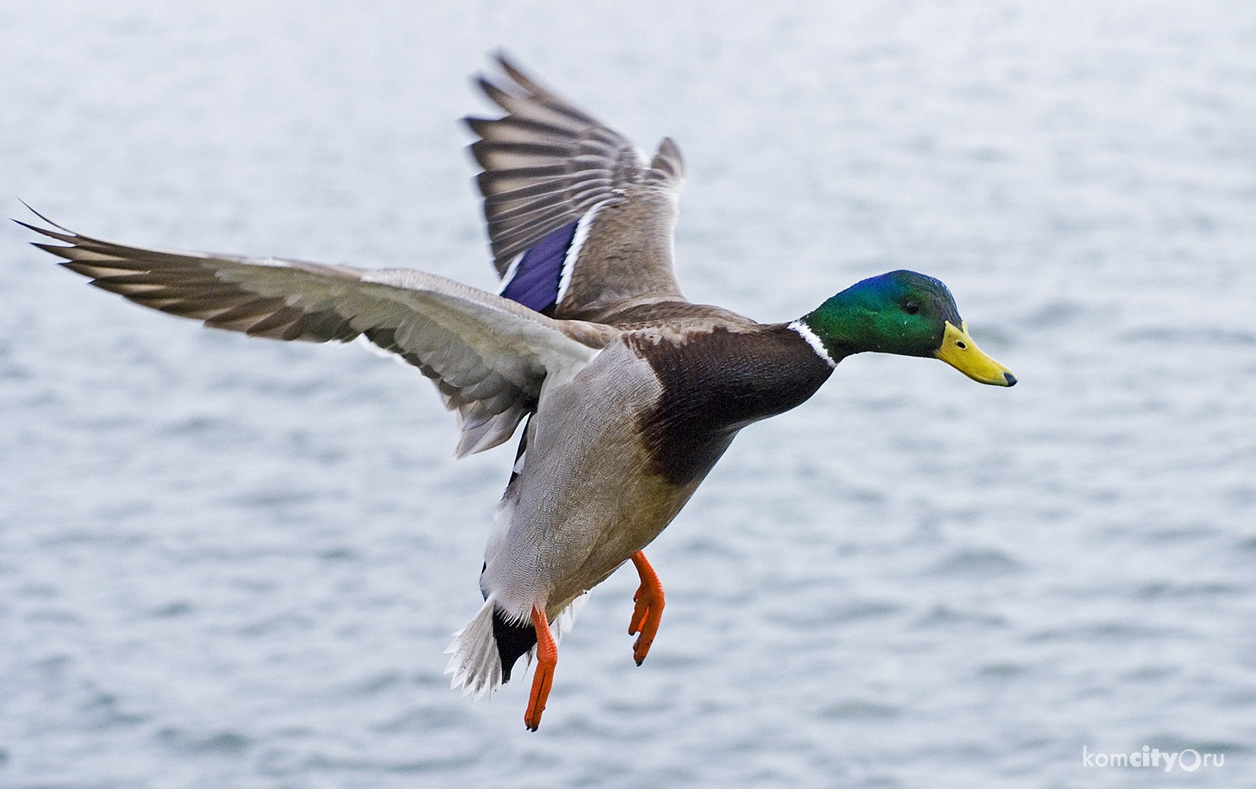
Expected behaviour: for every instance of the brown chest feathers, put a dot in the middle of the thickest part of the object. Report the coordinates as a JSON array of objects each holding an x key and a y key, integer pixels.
[{"x": 715, "y": 383}]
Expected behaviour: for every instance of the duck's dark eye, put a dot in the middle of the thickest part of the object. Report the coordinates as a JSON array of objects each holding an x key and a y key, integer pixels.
[{"x": 911, "y": 307}]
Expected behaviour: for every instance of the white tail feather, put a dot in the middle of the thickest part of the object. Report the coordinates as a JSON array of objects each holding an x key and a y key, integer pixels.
[{"x": 475, "y": 664}]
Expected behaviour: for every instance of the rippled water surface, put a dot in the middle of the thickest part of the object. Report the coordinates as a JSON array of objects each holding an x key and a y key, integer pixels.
[{"x": 226, "y": 562}]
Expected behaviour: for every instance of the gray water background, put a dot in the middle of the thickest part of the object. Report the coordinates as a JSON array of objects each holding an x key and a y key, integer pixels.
[{"x": 227, "y": 562}]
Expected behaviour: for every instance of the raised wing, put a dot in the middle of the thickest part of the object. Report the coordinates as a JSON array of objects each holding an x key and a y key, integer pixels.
[
  {"x": 488, "y": 356},
  {"x": 579, "y": 222}
]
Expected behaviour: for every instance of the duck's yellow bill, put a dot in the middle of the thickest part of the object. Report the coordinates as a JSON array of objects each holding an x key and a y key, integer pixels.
[{"x": 959, "y": 351}]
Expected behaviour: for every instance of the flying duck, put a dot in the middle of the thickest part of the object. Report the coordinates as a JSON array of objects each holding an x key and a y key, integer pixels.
[{"x": 628, "y": 393}]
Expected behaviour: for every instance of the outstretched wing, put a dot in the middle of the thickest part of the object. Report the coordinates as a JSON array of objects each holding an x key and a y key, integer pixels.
[
  {"x": 487, "y": 355},
  {"x": 579, "y": 222}
]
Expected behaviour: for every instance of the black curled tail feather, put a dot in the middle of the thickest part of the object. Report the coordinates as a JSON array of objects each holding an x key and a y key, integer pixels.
[{"x": 513, "y": 639}]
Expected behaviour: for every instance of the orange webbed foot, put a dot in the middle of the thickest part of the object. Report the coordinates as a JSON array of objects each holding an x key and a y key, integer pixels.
[
  {"x": 648, "y": 611},
  {"x": 546, "y": 659}
]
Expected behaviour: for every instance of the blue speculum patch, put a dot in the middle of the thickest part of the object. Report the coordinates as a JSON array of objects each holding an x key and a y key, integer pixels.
[{"x": 536, "y": 279}]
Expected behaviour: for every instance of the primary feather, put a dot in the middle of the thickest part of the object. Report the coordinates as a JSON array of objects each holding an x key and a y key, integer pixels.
[{"x": 488, "y": 356}]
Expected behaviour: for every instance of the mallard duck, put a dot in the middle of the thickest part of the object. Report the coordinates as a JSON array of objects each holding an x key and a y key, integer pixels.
[{"x": 628, "y": 392}]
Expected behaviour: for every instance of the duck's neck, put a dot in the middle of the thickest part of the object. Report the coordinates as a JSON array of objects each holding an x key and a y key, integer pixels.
[
  {"x": 831, "y": 333},
  {"x": 841, "y": 326},
  {"x": 805, "y": 331}
]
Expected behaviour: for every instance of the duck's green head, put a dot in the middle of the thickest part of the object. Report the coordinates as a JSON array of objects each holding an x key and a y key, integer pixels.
[{"x": 905, "y": 313}]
